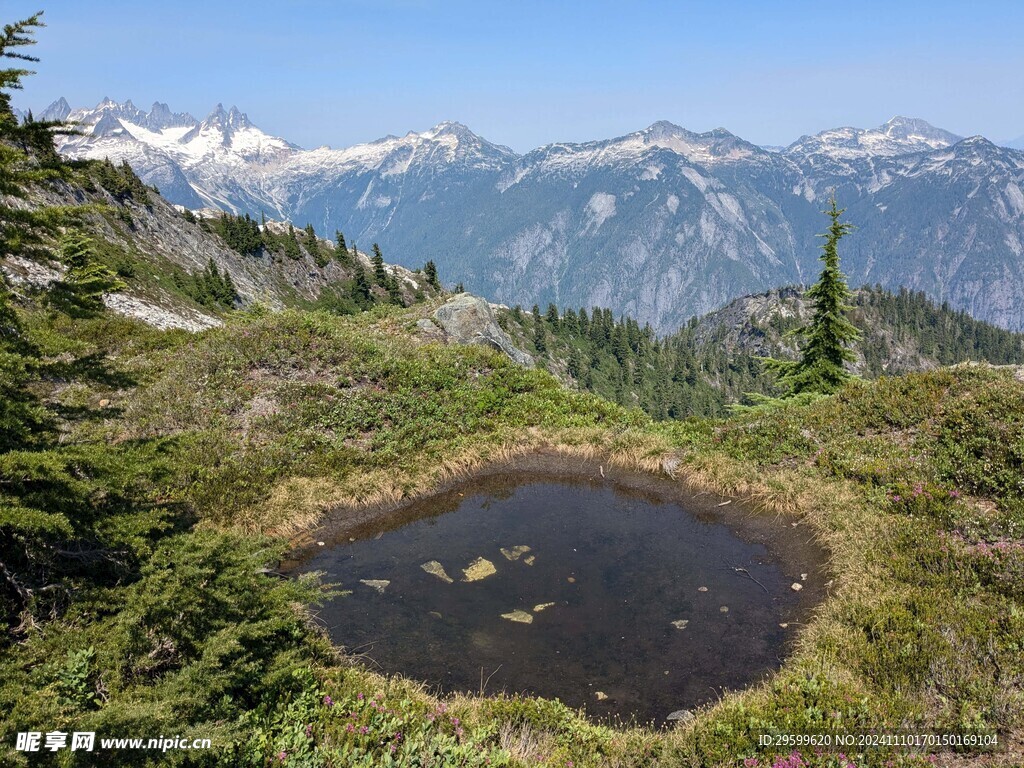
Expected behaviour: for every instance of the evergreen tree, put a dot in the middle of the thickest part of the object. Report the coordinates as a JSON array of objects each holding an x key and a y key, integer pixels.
[
  {"x": 361, "y": 293},
  {"x": 21, "y": 415},
  {"x": 24, "y": 231},
  {"x": 27, "y": 159},
  {"x": 569, "y": 321},
  {"x": 341, "y": 254},
  {"x": 828, "y": 337},
  {"x": 430, "y": 272},
  {"x": 314, "y": 249},
  {"x": 80, "y": 292},
  {"x": 539, "y": 335},
  {"x": 552, "y": 316},
  {"x": 380, "y": 275},
  {"x": 291, "y": 244}
]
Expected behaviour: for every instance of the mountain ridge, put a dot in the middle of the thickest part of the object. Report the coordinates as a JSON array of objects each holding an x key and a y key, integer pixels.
[{"x": 661, "y": 223}]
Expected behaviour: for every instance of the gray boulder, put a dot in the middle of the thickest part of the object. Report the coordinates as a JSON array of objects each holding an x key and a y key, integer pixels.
[
  {"x": 468, "y": 319},
  {"x": 681, "y": 715}
]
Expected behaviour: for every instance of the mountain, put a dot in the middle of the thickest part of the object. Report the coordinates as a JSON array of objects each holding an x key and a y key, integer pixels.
[
  {"x": 660, "y": 224},
  {"x": 1017, "y": 143},
  {"x": 901, "y": 332},
  {"x": 715, "y": 360}
]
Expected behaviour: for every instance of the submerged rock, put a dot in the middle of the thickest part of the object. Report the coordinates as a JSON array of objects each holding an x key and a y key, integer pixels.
[
  {"x": 529, "y": 559},
  {"x": 434, "y": 568},
  {"x": 469, "y": 319},
  {"x": 480, "y": 568},
  {"x": 796, "y": 586},
  {"x": 601, "y": 695},
  {"x": 378, "y": 584},
  {"x": 724, "y": 609},
  {"x": 702, "y": 589},
  {"x": 519, "y": 616},
  {"x": 514, "y": 553},
  {"x": 541, "y": 607},
  {"x": 681, "y": 623}
]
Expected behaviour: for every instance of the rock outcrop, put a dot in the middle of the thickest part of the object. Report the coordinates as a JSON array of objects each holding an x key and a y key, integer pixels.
[{"x": 468, "y": 319}]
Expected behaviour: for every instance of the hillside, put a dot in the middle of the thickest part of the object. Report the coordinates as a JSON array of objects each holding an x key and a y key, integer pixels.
[
  {"x": 188, "y": 449},
  {"x": 659, "y": 224},
  {"x": 713, "y": 361},
  {"x": 166, "y": 255}
]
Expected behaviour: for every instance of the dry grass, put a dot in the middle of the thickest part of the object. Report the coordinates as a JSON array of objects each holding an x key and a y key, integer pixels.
[{"x": 296, "y": 506}]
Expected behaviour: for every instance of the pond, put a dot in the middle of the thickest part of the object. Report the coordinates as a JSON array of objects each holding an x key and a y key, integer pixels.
[{"x": 626, "y": 601}]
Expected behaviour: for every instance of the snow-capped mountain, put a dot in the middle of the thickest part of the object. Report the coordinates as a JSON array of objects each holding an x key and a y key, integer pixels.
[
  {"x": 899, "y": 136},
  {"x": 662, "y": 223}
]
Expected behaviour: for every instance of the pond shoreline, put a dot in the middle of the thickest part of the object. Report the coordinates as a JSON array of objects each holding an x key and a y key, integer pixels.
[
  {"x": 790, "y": 548},
  {"x": 790, "y": 542}
]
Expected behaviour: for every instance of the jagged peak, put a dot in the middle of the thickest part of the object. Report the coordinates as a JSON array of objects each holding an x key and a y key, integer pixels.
[
  {"x": 58, "y": 110},
  {"x": 229, "y": 119},
  {"x": 110, "y": 126}
]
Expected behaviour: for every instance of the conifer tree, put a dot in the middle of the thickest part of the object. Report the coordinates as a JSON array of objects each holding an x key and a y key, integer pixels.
[
  {"x": 21, "y": 415},
  {"x": 80, "y": 292},
  {"x": 291, "y": 244},
  {"x": 341, "y": 254},
  {"x": 430, "y": 272},
  {"x": 569, "y": 321},
  {"x": 361, "y": 294},
  {"x": 380, "y": 275},
  {"x": 314, "y": 249},
  {"x": 24, "y": 231},
  {"x": 828, "y": 337},
  {"x": 539, "y": 333},
  {"x": 552, "y": 316}
]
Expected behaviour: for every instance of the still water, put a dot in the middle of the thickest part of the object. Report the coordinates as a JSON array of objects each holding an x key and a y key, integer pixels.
[{"x": 624, "y": 603}]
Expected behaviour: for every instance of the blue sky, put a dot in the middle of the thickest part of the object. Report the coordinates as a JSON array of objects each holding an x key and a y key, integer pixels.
[{"x": 527, "y": 73}]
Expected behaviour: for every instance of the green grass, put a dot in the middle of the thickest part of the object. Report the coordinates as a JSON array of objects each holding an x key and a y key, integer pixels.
[{"x": 242, "y": 435}]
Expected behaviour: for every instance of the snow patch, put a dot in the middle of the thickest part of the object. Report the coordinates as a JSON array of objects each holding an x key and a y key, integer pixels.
[{"x": 672, "y": 203}]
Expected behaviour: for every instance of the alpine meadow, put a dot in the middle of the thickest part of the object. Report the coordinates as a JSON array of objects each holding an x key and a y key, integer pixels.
[{"x": 663, "y": 450}]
